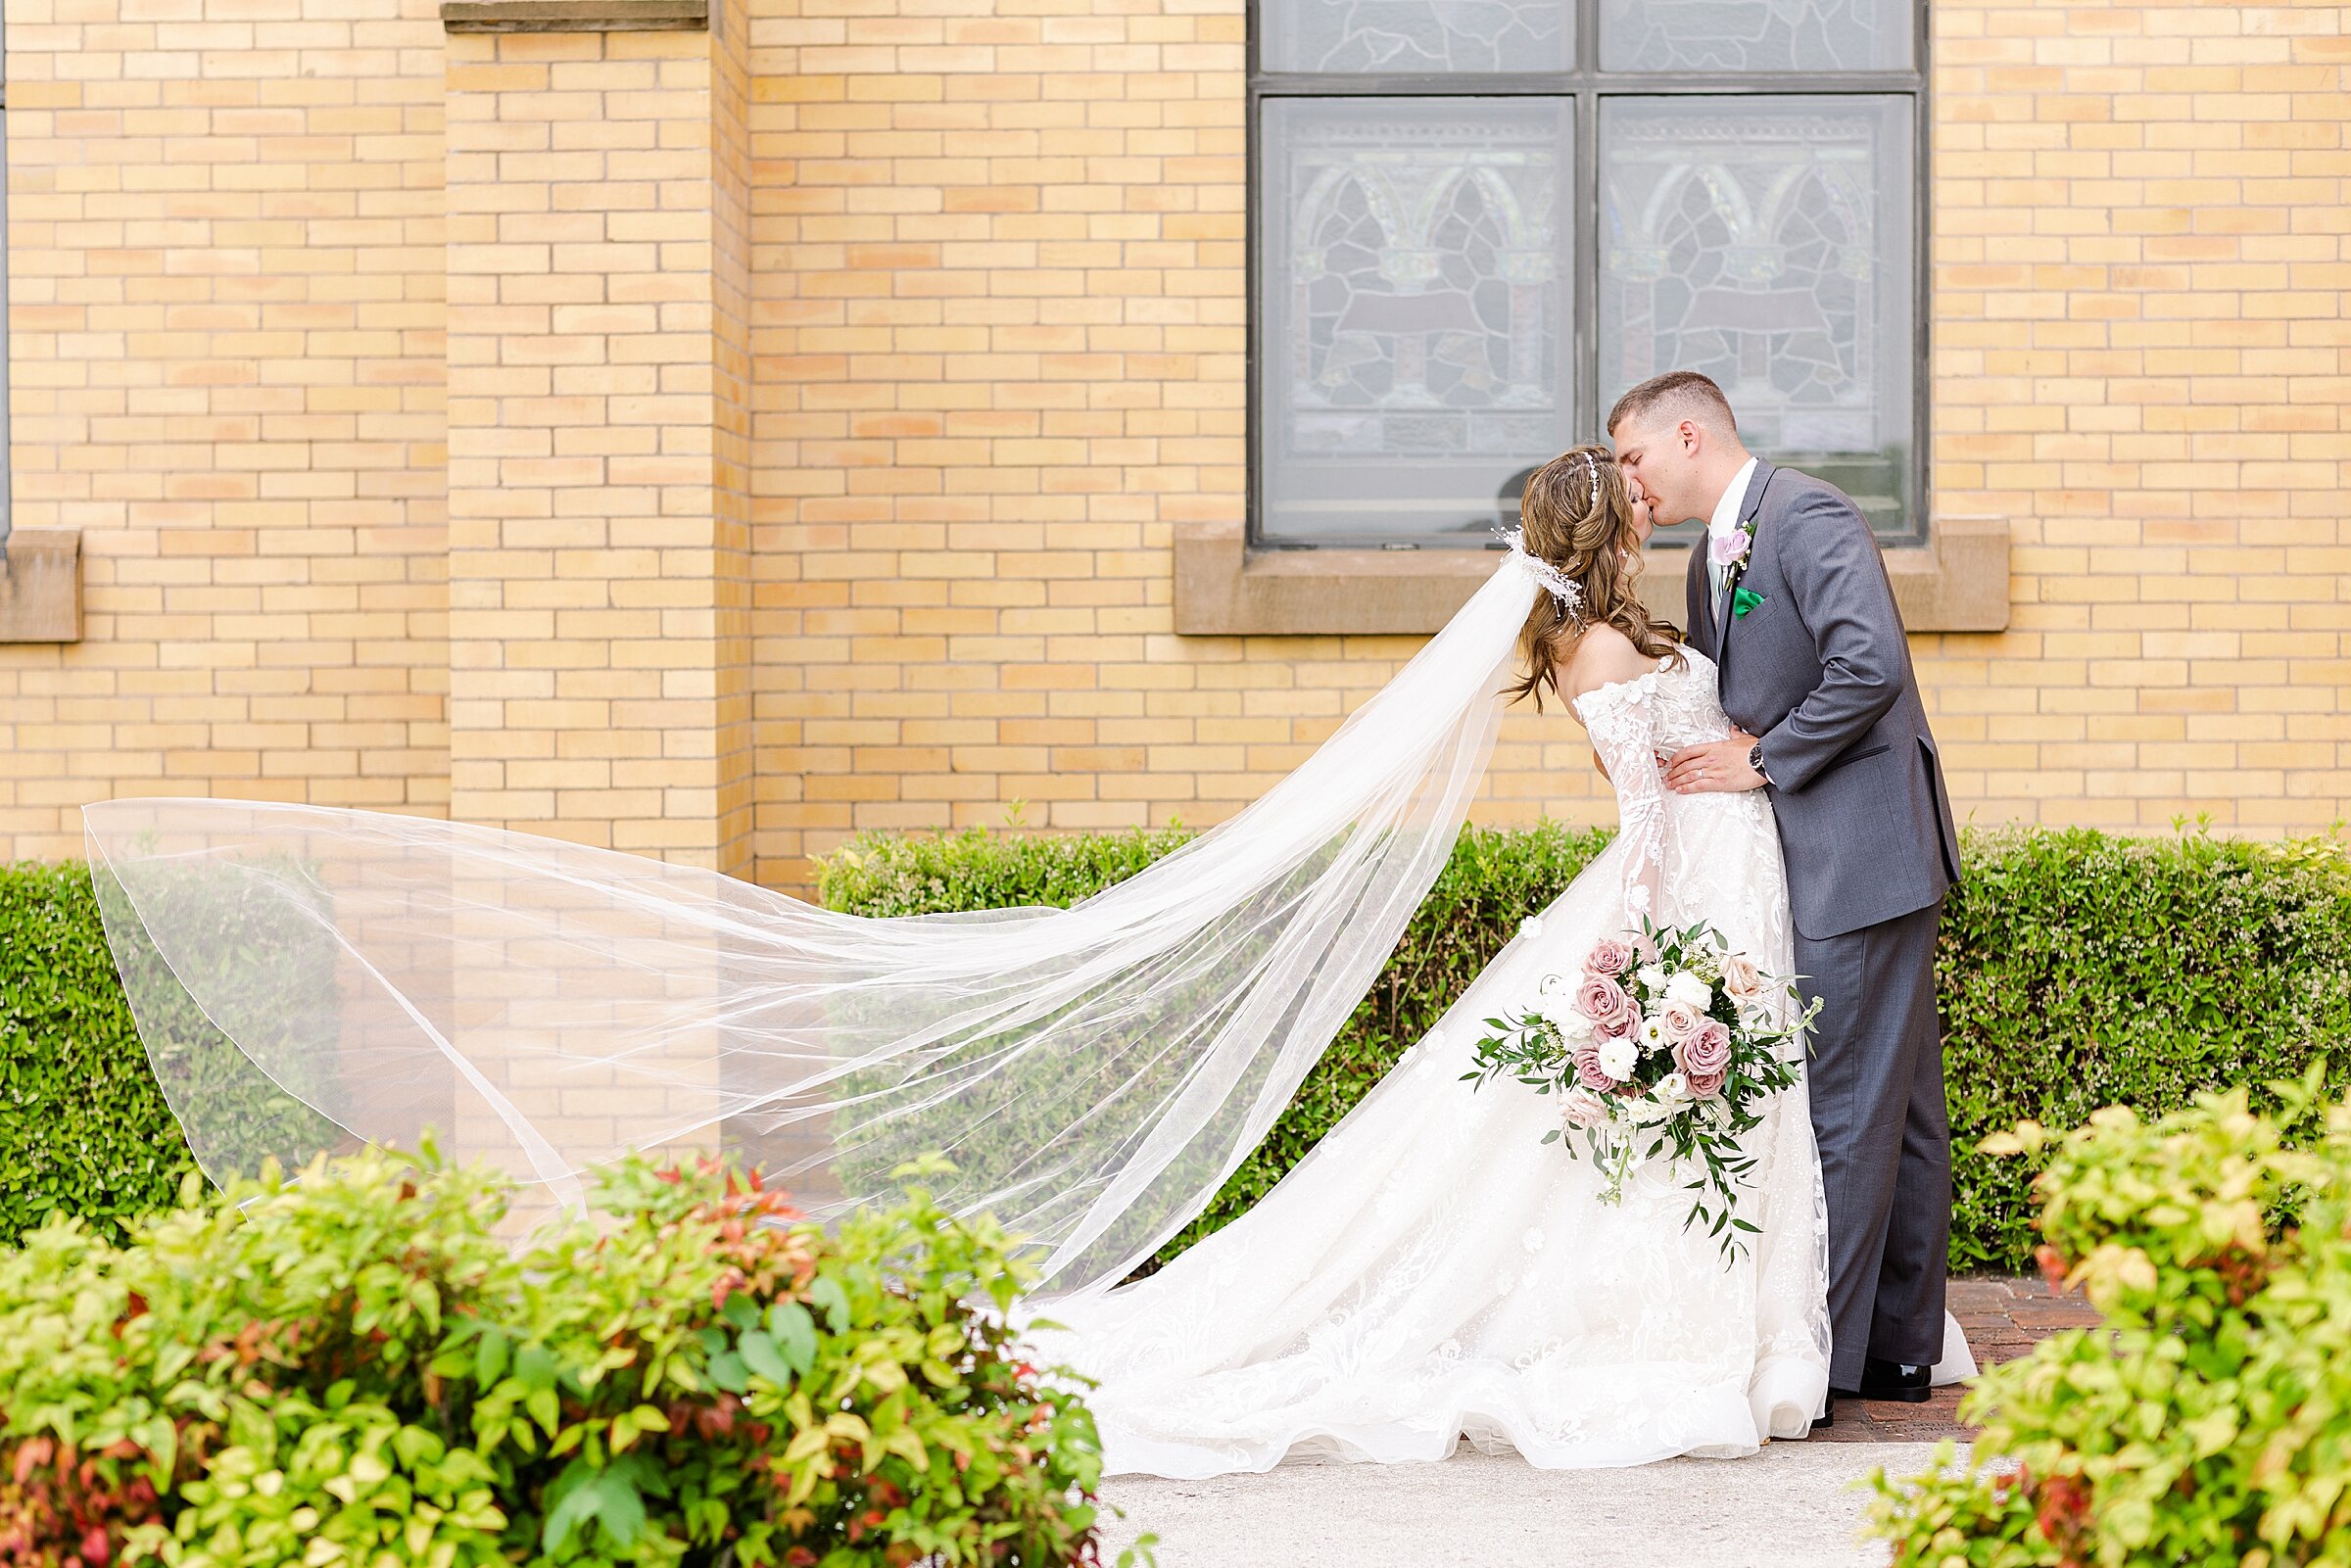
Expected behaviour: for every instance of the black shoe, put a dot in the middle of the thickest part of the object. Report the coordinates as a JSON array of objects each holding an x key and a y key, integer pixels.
[
  {"x": 1899, "y": 1381},
  {"x": 1828, "y": 1412}
]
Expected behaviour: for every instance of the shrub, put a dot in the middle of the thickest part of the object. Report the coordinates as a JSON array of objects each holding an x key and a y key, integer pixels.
[
  {"x": 2209, "y": 1419},
  {"x": 362, "y": 1370},
  {"x": 2076, "y": 970},
  {"x": 83, "y": 1129}
]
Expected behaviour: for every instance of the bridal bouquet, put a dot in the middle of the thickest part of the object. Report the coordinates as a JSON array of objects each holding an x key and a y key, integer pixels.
[{"x": 1662, "y": 1048}]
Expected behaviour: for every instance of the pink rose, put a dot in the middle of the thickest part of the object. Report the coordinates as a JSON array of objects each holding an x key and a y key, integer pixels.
[
  {"x": 1727, "y": 550},
  {"x": 1679, "y": 1021},
  {"x": 1589, "y": 1073},
  {"x": 1703, "y": 1085},
  {"x": 1645, "y": 950},
  {"x": 1610, "y": 956},
  {"x": 1706, "y": 1053},
  {"x": 1740, "y": 978},
  {"x": 1602, "y": 1001},
  {"x": 1581, "y": 1107}
]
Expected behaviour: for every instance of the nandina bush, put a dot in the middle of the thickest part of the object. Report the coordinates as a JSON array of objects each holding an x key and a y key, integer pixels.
[
  {"x": 2208, "y": 1420},
  {"x": 362, "y": 1368}
]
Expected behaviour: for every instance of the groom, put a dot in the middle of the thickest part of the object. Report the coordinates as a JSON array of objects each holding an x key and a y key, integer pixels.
[{"x": 1791, "y": 600}]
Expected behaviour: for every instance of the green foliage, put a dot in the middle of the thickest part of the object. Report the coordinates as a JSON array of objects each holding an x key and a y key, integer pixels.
[
  {"x": 83, "y": 1129},
  {"x": 2079, "y": 969},
  {"x": 2076, "y": 970},
  {"x": 2209, "y": 1419},
  {"x": 361, "y": 1369}
]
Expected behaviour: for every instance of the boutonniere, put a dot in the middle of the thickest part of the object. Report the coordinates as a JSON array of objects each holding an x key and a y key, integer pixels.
[{"x": 1731, "y": 550}]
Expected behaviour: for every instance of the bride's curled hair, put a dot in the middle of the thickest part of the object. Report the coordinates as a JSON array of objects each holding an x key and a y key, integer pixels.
[{"x": 1576, "y": 514}]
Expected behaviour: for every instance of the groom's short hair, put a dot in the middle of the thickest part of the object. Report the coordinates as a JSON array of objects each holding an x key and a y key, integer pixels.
[{"x": 1676, "y": 394}]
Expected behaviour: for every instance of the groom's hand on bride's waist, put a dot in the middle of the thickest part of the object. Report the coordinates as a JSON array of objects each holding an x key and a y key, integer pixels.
[{"x": 1719, "y": 766}]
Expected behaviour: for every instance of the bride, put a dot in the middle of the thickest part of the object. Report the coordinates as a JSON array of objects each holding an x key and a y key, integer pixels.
[
  {"x": 1433, "y": 1268},
  {"x": 302, "y": 977}
]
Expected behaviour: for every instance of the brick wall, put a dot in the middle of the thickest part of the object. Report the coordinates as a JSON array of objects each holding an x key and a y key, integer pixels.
[
  {"x": 225, "y": 225},
  {"x": 956, "y": 312}
]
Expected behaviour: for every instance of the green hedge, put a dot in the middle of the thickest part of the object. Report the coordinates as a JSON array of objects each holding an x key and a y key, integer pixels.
[
  {"x": 83, "y": 1129},
  {"x": 2076, "y": 970}
]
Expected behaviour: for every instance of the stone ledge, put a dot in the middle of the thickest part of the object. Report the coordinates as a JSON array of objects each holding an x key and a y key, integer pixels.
[
  {"x": 40, "y": 586},
  {"x": 1958, "y": 582},
  {"x": 575, "y": 16}
]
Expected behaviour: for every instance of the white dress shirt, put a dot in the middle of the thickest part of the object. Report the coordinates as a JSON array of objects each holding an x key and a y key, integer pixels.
[{"x": 1726, "y": 520}]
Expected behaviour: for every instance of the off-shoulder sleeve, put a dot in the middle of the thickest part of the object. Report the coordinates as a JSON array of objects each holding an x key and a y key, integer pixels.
[{"x": 1622, "y": 721}]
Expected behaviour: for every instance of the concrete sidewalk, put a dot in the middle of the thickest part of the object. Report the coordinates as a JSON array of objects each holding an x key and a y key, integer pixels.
[{"x": 1794, "y": 1505}]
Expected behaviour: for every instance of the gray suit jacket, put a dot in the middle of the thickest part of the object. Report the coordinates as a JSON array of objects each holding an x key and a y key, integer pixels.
[{"x": 1821, "y": 671}]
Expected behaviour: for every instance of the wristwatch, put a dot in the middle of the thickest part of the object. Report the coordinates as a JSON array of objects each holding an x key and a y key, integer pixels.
[{"x": 1754, "y": 760}]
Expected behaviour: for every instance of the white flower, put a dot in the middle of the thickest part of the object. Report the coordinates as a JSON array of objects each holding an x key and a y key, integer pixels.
[
  {"x": 1573, "y": 1026},
  {"x": 1530, "y": 928},
  {"x": 1616, "y": 1058},
  {"x": 1688, "y": 987},
  {"x": 1651, "y": 1034},
  {"x": 1651, "y": 980},
  {"x": 1673, "y": 1086}
]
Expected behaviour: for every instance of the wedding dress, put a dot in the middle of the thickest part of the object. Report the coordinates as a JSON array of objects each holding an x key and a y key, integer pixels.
[
  {"x": 1433, "y": 1269},
  {"x": 303, "y": 978}
]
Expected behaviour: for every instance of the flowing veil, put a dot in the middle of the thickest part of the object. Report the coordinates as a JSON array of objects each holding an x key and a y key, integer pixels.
[{"x": 305, "y": 977}]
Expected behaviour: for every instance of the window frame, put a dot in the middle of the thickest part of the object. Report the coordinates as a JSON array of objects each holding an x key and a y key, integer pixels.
[{"x": 1585, "y": 85}]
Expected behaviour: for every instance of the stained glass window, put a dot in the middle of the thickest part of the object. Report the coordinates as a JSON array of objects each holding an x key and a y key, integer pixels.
[
  {"x": 1476, "y": 223},
  {"x": 1767, "y": 242},
  {"x": 1400, "y": 38},
  {"x": 1411, "y": 364},
  {"x": 1751, "y": 35}
]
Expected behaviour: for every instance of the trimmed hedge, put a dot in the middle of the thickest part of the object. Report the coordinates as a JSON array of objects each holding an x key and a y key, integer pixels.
[
  {"x": 2076, "y": 970},
  {"x": 83, "y": 1129}
]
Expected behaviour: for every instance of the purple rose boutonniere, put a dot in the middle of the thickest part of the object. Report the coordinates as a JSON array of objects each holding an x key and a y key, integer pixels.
[{"x": 1730, "y": 552}]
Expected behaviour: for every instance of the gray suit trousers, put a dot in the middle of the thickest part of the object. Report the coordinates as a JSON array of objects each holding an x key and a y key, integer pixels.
[{"x": 1885, "y": 1139}]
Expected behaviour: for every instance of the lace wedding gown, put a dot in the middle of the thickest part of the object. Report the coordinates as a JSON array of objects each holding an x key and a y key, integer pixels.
[{"x": 1433, "y": 1269}]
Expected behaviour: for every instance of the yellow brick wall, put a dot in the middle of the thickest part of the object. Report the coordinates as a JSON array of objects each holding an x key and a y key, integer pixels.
[
  {"x": 1007, "y": 354},
  {"x": 2141, "y": 214},
  {"x": 844, "y": 498},
  {"x": 224, "y": 279}
]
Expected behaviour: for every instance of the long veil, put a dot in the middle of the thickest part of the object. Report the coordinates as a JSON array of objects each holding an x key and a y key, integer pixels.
[{"x": 305, "y": 977}]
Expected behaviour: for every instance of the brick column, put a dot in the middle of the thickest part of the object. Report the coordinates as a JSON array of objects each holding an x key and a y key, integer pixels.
[{"x": 598, "y": 428}]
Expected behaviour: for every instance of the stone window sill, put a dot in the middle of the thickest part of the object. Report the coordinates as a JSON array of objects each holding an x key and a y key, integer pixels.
[
  {"x": 1957, "y": 581},
  {"x": 575, "y": 16},
  {"x": 40, "y": 586}
]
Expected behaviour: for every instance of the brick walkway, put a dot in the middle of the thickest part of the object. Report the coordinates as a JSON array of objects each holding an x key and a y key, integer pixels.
[{"x": 2002, "y": 1318}]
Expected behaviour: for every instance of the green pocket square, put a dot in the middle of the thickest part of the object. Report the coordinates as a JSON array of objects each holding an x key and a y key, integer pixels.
[{"x": 1743, "y": 599}]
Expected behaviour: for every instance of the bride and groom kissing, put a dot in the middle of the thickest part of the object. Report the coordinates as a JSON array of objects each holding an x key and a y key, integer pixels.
[
  {"x": 1430, "y": 1270},
  {"x": 1435, "y": 1267}
]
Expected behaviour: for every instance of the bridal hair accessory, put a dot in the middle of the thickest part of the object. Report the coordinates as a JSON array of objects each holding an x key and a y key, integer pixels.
[
  {"x": 1592, "y": 473},
  {"x": 1564, "y": 588}
]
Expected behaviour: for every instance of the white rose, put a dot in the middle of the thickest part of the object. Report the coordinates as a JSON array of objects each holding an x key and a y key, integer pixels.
[
  {"x": 1573, "y": 1026},
  {"x": 1616, "y": 1058},
  {"x": 1673, "y": 1086},
  {"x": 1651, "y": 980},
  {"x": 1688, "y": 987}
]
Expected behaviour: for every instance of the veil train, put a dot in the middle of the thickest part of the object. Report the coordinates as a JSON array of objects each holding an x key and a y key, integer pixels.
[{"x": 304, "y": 976}]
